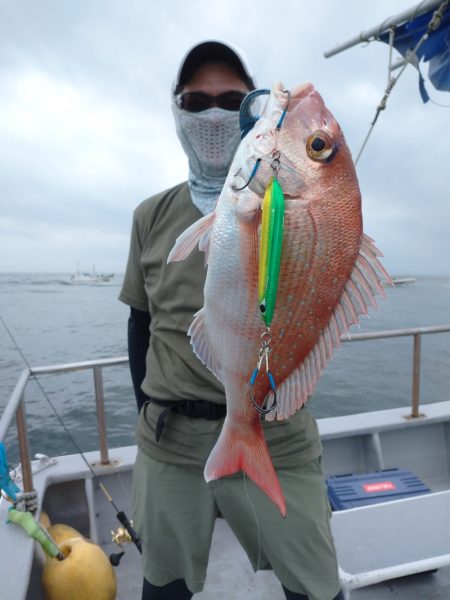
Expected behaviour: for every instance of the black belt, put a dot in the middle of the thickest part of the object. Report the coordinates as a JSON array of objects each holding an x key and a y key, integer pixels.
[{"x": 197, "y": 409}]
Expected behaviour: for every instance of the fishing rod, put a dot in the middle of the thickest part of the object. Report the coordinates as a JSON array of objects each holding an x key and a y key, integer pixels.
[{"x": 120, "y": 515}]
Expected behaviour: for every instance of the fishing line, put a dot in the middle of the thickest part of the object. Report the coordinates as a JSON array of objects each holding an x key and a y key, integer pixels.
[
  {"x": 119, "y": 514},
  {"x": 439, "y": 104},
  {"x": 256, "y": 519}
]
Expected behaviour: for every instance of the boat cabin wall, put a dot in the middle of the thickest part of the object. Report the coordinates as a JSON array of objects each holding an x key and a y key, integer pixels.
[
  {"x": 356, "y": 454},
  {"x": 66, "y": 502},
  {"x": 425, "y": 451}
]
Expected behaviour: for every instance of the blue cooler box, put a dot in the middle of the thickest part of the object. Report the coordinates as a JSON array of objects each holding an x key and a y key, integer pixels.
[{"x": 350, "y": 491}]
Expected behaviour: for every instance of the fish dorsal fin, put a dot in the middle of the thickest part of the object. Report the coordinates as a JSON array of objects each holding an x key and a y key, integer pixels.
[
  {"x": 197, "y": 233},
  {"x": 359, "y": 293},
  {"x": 199, "y": 342}
]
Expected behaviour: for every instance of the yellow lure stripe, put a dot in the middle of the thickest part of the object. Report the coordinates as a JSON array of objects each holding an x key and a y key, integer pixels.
[{"x": 265, "y": 241}]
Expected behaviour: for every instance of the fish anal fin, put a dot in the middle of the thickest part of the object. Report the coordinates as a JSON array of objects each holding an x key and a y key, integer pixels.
[
  {"x": 245, "y": 450},
  {"x": 197, "y": 233}
]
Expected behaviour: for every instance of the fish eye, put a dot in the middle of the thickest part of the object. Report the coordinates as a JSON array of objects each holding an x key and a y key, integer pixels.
[{"x": 319, "y": 146}]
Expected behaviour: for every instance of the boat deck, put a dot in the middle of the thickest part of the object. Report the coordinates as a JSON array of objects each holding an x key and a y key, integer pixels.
[{"x": 396, "y": 535}]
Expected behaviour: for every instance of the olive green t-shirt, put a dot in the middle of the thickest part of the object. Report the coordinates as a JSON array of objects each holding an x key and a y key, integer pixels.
[{"x": 172, "y": 293}]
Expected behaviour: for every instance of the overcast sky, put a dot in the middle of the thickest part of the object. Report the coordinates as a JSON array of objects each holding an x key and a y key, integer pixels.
[{"x": 86, "y": 130}]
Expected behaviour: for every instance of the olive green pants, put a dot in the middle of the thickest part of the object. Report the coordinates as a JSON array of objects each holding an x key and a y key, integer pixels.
[{"x": 175, "y": 512}]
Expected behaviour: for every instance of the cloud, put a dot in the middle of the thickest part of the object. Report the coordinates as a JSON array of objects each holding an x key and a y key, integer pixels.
[
  {"x": 62, "y": 247},
  {"x": 68, "y": 138}
]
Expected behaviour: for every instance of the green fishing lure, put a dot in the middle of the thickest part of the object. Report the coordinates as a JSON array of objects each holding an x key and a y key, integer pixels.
[{"x": 271, "y": 243}]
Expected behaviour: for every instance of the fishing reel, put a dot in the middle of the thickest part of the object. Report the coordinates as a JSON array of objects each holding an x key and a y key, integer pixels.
[
  {"x": 124, "y": 535},
  {"x": 119, "y": 537}
]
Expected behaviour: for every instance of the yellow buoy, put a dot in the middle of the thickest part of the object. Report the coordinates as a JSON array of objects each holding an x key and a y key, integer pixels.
[
  {"x": 44, "y": 520},
  {"x": 60, "y": 533},
  {"x": 84, "y": 574}
]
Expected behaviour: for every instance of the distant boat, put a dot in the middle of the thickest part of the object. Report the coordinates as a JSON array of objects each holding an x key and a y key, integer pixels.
[
  {"x": 90, "y": 278},
  {"x": 398, "y": 281},
  {"x": 403, "y": 280}
]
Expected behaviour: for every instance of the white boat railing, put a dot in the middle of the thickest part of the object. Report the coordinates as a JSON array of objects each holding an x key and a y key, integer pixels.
[
  {"x": 15, "y": 407},
  {"x": 416, "y": 333}
]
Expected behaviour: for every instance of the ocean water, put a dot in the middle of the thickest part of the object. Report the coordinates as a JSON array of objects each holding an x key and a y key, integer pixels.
[{"x": 54, "y": 322}]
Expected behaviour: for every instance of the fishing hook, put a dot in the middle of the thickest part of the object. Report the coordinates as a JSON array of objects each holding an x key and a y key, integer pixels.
[
  {"x": 276, "y": 153},
  {"x": 252, "y": 174},
  {"x": 283, "y": 114},
  {"x": 263, "y": 355}
]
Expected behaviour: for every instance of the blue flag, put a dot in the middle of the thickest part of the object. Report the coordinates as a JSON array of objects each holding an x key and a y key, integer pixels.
[{"x": 435, "y": 49}]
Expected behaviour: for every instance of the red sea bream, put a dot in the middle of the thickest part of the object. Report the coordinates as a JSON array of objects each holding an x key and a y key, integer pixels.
[{"x": 328, "y": 276}]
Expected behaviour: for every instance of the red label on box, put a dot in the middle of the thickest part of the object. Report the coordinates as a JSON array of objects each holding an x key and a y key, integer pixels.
[{"x": 379, "y": 486}]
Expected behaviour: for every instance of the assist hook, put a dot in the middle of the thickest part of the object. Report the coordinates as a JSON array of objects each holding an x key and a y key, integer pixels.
[{"x": 263, "y": 355}]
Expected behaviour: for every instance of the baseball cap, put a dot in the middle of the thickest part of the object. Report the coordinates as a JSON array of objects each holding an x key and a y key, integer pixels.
[{"x": 211, "y": 51}]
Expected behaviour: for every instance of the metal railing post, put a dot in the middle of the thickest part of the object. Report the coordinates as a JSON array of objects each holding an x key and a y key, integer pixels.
[
  {"x": 24, "y": 448},
  {"x": 101, "y": 420},
  {"x": 416, "y": 376}
]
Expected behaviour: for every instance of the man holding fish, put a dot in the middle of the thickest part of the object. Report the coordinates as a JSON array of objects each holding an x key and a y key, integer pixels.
[{"x": 223, "y": 359}]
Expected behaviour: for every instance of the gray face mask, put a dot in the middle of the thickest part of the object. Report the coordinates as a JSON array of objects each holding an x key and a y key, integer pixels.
[{"x": 210, "y": 139}]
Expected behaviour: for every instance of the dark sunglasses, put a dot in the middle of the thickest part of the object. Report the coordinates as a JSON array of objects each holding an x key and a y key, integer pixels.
[{"x": 198, "y": 101}]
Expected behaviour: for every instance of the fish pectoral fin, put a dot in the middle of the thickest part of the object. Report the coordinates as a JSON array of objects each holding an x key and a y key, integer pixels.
[
  {"x": 245, "y": 450},
  {"x": 248, "y": 207},
  {"x": 197, "y": 233},
  {"x": 199, "y": 342}
]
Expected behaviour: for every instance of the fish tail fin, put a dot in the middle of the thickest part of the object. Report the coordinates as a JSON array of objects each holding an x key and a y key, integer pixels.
[{"x": 245, "y": 451}]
